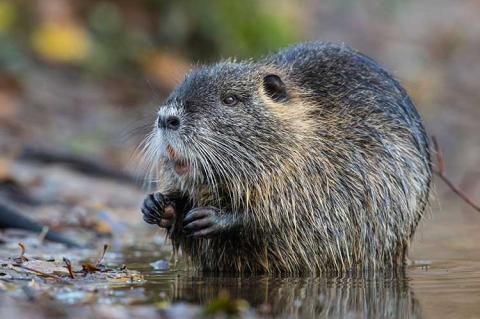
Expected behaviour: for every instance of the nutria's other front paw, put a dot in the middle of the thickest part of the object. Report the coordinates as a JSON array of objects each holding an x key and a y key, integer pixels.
[
  {"x": 207, "y": 222},
  {"x": 158, "y": 209}
]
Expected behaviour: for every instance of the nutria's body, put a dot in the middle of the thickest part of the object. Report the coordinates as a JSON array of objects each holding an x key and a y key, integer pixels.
[{"x": 312, "y": 159}]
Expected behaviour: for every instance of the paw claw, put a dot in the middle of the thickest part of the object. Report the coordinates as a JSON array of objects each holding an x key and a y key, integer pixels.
[
  {"x": 197, "y": 213},
  {"x": 205, "y": 222},
  {"x": 198, "y": 224}
]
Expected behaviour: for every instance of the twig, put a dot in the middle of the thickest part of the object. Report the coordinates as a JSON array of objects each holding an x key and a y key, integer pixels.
[
  {"x": 12, "y": 217},
  {"x": 439, "y": 155},
  {"x": 105, "y": 247},
  {"x": 440, "y": 171},
  {"x": 78, "y": 163},
  {"x": 41, "y": 273},
  {"x": 69, "y": 267},
  {"x": 20, "y": 259}
]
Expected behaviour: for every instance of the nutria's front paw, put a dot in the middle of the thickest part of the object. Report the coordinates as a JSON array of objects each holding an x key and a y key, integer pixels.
[
  {"x": 207, "y": 222},
  {"x": 158, "y": 209}
]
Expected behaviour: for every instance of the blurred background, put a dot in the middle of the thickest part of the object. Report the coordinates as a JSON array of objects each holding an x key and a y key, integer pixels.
[{"x": 85, "y": 77}]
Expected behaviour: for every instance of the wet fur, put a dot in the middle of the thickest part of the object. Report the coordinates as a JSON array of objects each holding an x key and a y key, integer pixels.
[{"x": 335, "y": 178}]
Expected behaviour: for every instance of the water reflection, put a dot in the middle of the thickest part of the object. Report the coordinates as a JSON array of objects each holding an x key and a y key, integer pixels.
[{"x": 386, "y": 296}]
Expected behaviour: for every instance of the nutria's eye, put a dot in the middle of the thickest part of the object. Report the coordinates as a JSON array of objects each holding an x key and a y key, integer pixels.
[{"x": 230, "y": 100}]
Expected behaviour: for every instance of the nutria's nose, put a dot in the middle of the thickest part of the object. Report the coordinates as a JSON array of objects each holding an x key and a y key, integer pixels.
[{"x": 170, "y": 122}]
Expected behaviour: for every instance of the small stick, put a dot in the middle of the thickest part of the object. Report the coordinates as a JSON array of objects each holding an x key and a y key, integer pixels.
[
  {"x": 69, "y": 267},
  {"x": 439, "y": 154},
  {"x": 20, "y": 259},
  {"x": 105, "y": 247},
  {"x": 41, "y": 273},
  {"x": 440, "y": 171}
]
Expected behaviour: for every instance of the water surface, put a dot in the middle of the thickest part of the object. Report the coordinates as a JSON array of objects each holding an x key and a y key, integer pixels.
[{"x": 434, "y": 289}]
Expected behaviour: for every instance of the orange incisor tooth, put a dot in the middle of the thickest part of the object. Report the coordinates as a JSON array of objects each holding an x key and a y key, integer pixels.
[{"x": 171, "y": 152}]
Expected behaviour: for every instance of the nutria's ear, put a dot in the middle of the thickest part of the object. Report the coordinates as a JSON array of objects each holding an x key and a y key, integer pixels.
[{"x": 275, "y": 88}]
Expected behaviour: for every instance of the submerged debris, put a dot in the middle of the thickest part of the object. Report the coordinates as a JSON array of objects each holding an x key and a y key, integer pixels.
[{"x": 66, "y": 286}]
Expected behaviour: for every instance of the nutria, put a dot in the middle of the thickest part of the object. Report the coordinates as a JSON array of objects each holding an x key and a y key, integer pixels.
[{"x": 312, "y": 159}]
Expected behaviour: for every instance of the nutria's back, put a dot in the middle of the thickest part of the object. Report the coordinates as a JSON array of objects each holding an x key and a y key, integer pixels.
[
  {"x": 321, "y": 162},
  {"x": 343, "y": 81}
]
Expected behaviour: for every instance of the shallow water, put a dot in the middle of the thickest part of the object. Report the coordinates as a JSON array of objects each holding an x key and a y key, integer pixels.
[{"x": 436, "y": 289}]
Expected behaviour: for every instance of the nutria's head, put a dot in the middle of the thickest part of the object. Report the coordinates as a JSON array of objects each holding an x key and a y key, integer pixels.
[{"x": 224, "y": 124}]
